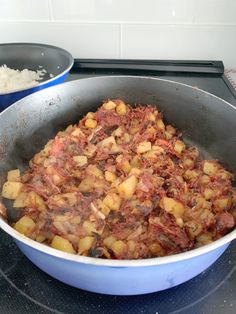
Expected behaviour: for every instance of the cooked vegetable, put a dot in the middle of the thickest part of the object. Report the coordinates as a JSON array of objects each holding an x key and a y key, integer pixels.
[{"x": 121, "y": 184}]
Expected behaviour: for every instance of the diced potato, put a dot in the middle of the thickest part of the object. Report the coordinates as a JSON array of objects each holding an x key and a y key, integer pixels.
[
  {"x": 110, "y": 176},
  {"x": 24, "y": 225},
  {"x": 113, "y": 201},
  {"x": 156, "y": 248},
  {"x": 210, "y": 168},
  {"x": 208, "y": 193},
  {"x": 90, "y": 123},
  {"x": 80, "y": 160},
  {"x": 170, "y": 129},
  {"x": 204, "y": 238},
  {"x": 168, "y": 135},
  {"x": 108, "y": 241},
  {"x": 118, "y": 132},
  {"x": 62, "y": 244},
  {"x": 222, "y": 203},
  {"x": 90, "y": 115},
  {"x": 188, "y": 163},
  {"x": 85, "y": 244},
  {"x": 87, "y": 184},
  {"x": 121, "y": 108},
  {"x": 136, "y": 162},
  {"x": 40, "y": 238},
  {"x": 135, "y": 171},
  {"x": 125, "y": 166},
  {"x": 77, "y": 132},
  {"x": 151, "y": 117},
  {"x": 190, "y": 174},
  {"x": 20, "y": 201},
  {"x": 11, "y": 190},
  {"x": 126, "y": 138},
  {"x": 75, "y": 220},
  {"x": 131, "y": 245},
  {"x": 234, "y": 196},
  {"x": 180, "y": 222},
  {"x": 172, "y": 206},
  {"x": 158, "y": 149},
  {"x": 144, "y": 147},
  {"x": 90, "y": 150},
  {"x": 35, "y": 201},
  {"x": 89, "y": 227},
  {"x": 205, "y": 179},
  {"x": 127, "y": 188},
  {"x": 179, "y": 146},
  {"x": 109, "y": 105},
  {"x": 109, "y": 141},
  {"x": 160, "y": 124},
  {"x": 93, "y": 170},
  {"x": 119, "y": 248},
  {"x": 13, "y": 175}
]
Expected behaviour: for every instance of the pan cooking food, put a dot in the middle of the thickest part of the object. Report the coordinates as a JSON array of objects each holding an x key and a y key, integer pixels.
[{"x": 121, "y": 184}]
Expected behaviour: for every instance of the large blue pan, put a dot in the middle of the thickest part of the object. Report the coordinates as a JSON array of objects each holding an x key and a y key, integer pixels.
[{"x": 206, "y": 121}]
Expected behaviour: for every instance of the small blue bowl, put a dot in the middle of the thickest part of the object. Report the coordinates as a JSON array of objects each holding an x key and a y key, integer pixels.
[{"x": 56, "y": 61}]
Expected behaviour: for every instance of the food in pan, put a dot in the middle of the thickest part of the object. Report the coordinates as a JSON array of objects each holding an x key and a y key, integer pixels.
[
  {"x": 121, "y": 184},
  {"x": 11, "y": 80}
]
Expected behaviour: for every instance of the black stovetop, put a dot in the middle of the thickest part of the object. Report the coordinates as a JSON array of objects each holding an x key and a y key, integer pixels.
[{"x": 26, "y": 289}]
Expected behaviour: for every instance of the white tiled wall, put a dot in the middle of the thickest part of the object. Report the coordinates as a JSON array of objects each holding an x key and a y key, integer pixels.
[{"x": 157, "y": 29}]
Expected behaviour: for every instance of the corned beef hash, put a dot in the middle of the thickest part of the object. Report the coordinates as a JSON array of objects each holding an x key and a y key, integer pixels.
[{"x": 121, "y": 184}]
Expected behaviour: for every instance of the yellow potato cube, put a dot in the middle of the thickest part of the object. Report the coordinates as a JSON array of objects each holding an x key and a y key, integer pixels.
[
  {"x": 208, "y": 193},
  {"x": 85, "y": 244},
  {"x": 113, "y": 201},
  {"x": 121, "y": 108},
  {"x": 127, "y": 188},
  {"x": 90, "y": 115},
  {"x": 13, "y": 175},
  {"x": 151, "y": 117},
  {"x": 40, "y": 238},
  {"x": 109, "y": 141},
  {"x": 11, "y": 190},
  {"x": 87, "y": 184},
  {"x": 160, "y": 124},
  {"x": 110, "y": 176},
  {"x": 93, "y": 170},
  {"x": 90, "y": 123},
  {"x": 24, "y": 225},
  {"x": 119, "y": 248},
  {"x": 144, "y": 147},
  {"x": 80, "y": 160},
  {"x": 156, "y": 248},
  {"x": 109, "y": 105},
  {"x": 172, "y": 206},
  {"x": 62, "y": 244},
  {"x": 210, "y": 167},
  {"x": 179, "y": 146},
  {"x": 222, "y": 203},
  {"x": 204, "y": 179},
  {"x": 108, "y": 241},
  {"x": 34, "y": 200},
  {"x": 20, "y": 201},
  {"x": 190, "y": 174},
  {"x": 170, "y": 129},
  {"x": 89, "y": 227}
]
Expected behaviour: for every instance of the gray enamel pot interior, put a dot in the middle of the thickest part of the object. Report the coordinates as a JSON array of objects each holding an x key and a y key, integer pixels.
[{"x": 205, "y": 121}]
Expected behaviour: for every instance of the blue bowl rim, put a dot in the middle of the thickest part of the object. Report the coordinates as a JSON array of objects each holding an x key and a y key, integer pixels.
[{"x": 70, "y": 57}]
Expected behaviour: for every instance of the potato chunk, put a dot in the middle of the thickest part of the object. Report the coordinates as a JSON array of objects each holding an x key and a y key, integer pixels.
[
  {"x": 144, "y": 147},
  {"x": 127, "y": 188},
  {"x": 121, "y": 108},
  {"x": 119, "y": 248},
  {"x": 179, "y": 146},
  {"x": 11, "y": 190},
  {"x": 112, "y": 201},
  {"x": 109, "y": 105},
  {"x": 172, "y": 206},
  {"x": 13, "y": 175},
  {"x": 90, "y": 123},
  {"x": 85, "y": 244},
  {"x": 20, "y": 201},
  {"x": 24, "y": 225},
  {"x": 62, "y": 244},
  {"x": 80, "y": 160},
  {"x": 210, "y": 167}
]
